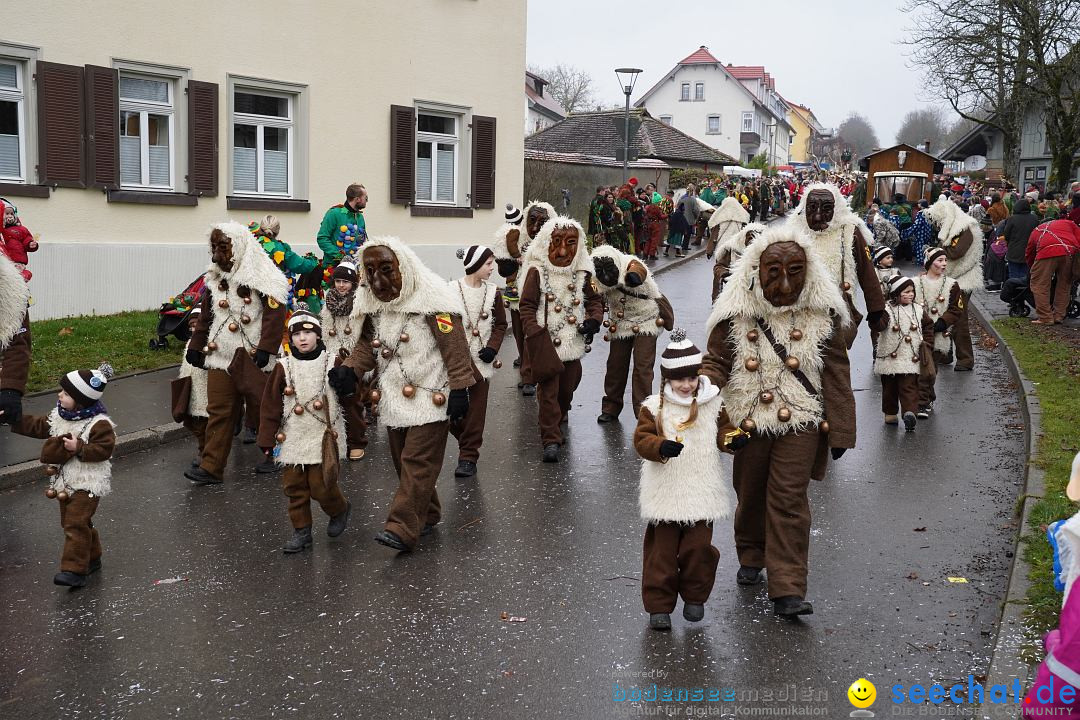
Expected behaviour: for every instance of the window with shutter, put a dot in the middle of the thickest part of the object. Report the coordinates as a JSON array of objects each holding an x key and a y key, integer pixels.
[
  {"x": 61, "y": 136},
  {"x": 102, "y": 140},
  {"x": 12, "y": 120},
  {"x": 263, "y": 128},
  {"x": 483, "y": 159},
  {"x": 202, "y": 138},
  {"x": 403, "y": 149},
  {"x": 147, "y": 132}
]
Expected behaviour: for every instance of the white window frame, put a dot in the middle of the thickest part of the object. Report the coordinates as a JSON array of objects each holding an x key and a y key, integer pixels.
[
  {"x": 261, "y": 122},
  {"x": 708, "y": 120},
  {"x": 747, "y": 122},
  {"x": 684, "y": 92},
  {"x": 699, "y": 92},
  {"x": 20, "y": 97},
  {"x": 146, "y": 108},
  {"x": 666, "y": 119},
  {"x": 437, "y": 139}
]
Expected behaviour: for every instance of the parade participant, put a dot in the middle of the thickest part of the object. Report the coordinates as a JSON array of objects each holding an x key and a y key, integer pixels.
[
  {"x": 350, "y": 216},
  {"x": 902, "y": 350},
  {"x": 189, "y": 394},
  {"x": 418, "y": 345},
  {"x": 79, "y": 440},
  {"x": 940, "y": 295},
  {"x": 340, "y": 331},
  {"x": 773, "y": 333},
  {"x": 732, "y": 249},
  {"x": 655, "y": 223},
  {"x": 683, "y": 491},
  {"x": 14, "y": 341},
  {"x": 509, "y": 249},
  {"x": 17, "y": 240},
  {"x": 301, "y": 420},
  {"x": 883, "y": 265},
  {"x": 236, "y": 336},
  {"x": 483, "y": 312},
  {"x": 302, "y": 289},
  {"x": 957, "y": 233},
  {"x": 637, "y": 312},
  {"x": 724, "y": 224},
  {"x": 560, "y": 313}
]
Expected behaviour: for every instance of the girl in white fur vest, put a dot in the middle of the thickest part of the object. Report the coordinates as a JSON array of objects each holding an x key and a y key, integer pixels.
[
  {"x": 902, "y": 349},
  {"x": 79, "y": 440},
  {"x": 684, "y": 487}
]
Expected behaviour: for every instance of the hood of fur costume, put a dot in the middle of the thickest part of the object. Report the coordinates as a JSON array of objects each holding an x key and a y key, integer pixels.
[
  {"x": 423, "y": 292},
  {"x": 537, "y": 254},
  {"x": 525, "y": 214},
  {"x": 648, "y": 288},
  {"x": 498, "y": 244},
  {"x": 737, "y": 242},
  {"x": 841, "y": 214},
  {"x": 951, "y": 220},
  {"x": 730, "y": 210},
  {"x": 252, "y": 267},
  {"x": 14, "y": 294}
]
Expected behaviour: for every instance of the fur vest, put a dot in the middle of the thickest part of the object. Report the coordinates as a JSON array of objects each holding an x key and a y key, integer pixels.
[
  {"x": 562, "y": 314},
  {"x": 94, "y": 477},
  {"x": 967, "y": 269},
  {"x": 245, "y": 317},
  {"x": 14, "y": 295},
  {"x": 417, "y": 363},
  {"x": 834, "y": 247},
  {"x": 476, "y": 313},
  {"x": 197, "y": 403},
  {"x": 633, "y": 312},
  {"x": 340, "y": 333},
  {"x": 934, "y": 296},
  {"x": 901, "y": 337},
  {"x": 304, "y": 432},
  {"x": 696, "y": 485}
]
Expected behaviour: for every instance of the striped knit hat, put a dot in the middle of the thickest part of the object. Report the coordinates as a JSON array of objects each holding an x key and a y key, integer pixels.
[
  {"x": 87, "y": 386},
  {"x": 881, "y": 253},
  {"x": 681, "y": 358},
  {"x": 896, "y": 284},
  {"x": 305, "y": 320},
  {"x": 513, "y": 214},
  {"x": 931, "y": 255},
  {"x": 475, "y": 257},
  {"x": 346, "y": 270}
]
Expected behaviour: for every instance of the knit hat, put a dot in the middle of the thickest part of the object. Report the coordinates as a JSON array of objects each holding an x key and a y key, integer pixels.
[
  {"x": 305, "y": 320},
  {"x": 513, "y": 215},
  {"x": 931, "y": 255},
  {"x": 681, "y": 358},
  {"x": 86, "y": 386},
  {"x": 475, "y": 257},
  {"x": 346, "y": 270},
  {"x": 881, "y": 253},
  {"x": 896, "y": 284}
]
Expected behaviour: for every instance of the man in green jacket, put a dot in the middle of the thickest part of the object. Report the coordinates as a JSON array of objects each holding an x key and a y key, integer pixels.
[{"x": 351, "y": 213}]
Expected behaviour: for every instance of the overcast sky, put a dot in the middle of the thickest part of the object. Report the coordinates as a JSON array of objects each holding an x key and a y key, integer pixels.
[{"x": 834, "y": 56}]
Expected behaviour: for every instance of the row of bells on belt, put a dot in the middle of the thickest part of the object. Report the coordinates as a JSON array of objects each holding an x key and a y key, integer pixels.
[
  {"x": 752, "y": 363},
  {"x": 437, "y": 398},
  {"x": 753, "y": 336},
  {"x": 613, "y": 327},
  {"x": 224, "y": 304},
  {"x": 333, "y": 333},
  {"x": 783, "y": 415},
  {"x": 50, "y": 493}
]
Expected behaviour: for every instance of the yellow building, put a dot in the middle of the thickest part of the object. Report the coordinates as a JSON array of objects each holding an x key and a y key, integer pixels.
[{"x": 806, "y": 128}]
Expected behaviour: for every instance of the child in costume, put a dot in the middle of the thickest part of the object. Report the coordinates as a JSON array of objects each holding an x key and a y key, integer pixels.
[
  {"x": 17, "y": 240},
  {"x": 189, "y": 405},
  {"x": 297, "y": 410},
  {"x": 901, "y": 353},
  {"x": 684, "y": 486},
  {"x": 341, "y": 330},
  {"x": 79, "y": 440},
  {"x": 942, "y": 297},
  {"x": 883, "y": 266},
  {"x": 484, "y": 315}
]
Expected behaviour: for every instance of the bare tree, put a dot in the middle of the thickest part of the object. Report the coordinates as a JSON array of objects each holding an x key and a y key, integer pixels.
[
  {"x": 569, "y": 86},
  {"x": 924, "y": 124},
  {"x": 857, "y": 134}
]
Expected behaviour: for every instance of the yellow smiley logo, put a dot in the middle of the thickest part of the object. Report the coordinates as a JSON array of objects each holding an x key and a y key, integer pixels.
[{"x": 862, "y": 693}]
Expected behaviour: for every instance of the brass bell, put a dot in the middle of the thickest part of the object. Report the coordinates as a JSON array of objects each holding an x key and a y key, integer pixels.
[
  {"x": 795, "y": 335},
  {"x": 557, "y": 342},
  {"x": 50, "y": 470},
  {"x": 483, "y": 316},
  {"x": 572, "y": 319},
  {"x": 576, "y": 301},
  {"x": 476, "y": 332},
  {"x": 387, "y": 352},
  {"x": 549, "y": 297},
  {"x": 659, "y": 322},
  {"x": 438, "y": 398},
  {"x": 766, "y": 397},
  {"x": 792, "y": 363},
  {"x": 752, "y": 336},
  {"x": 752, "y": 364},
  {"x": 223, "y": 286},
  {"x": 606, "y": 323},
  {"x": 571, "y": 286},
  {"x": 907, "y": 338},
  {"x": 748, "y": 425},
  {"x": 940, "y": 298},
  {"x": 588, "y": 348},
  {"x": 289, "y": 391},
  {"x": 948, "y": 333},
  {"x": 245, "y": 318},
  {"x": 635, "y": 329},
  {"x": 557, "y": 308},
  {"x": 496, "y": 364},
  {"x": 613, "y": 328},
  {"x": 298, "y": 410},
  {"x": 914, "y": 358},
  {"x": 211, "y": 347},
  {"x": 914, "y": 326},
  {"x": 333, "y": 434},
  {"x": 50, "y": 493},
  {"x": 823, "y": 426},
  {"x": 62, "y": 495},
  {"x": 332, "y": 332},
  {"x": 933, "y": 311},
  {"x": 619, "y": 314},
  {"x": 348, "y": 330},
  {"x": 375, "y": 396},
  {"x": 318, "y": 405},
  {"x": 253, "y": 352},
  {"x": 607, "y": 338},
  {"x": 783, "y": 415},
  {"x": 892, "y": 355},
  {"x": 280, "y": 437},
  {"x": 404, "y": 337},
  {"x": 896, "y": 328},
  {"x": 845, "y": 286},
  {"x": 344, "y": 353},
  {"x": 247, "y": 300},
  {"x": 376, "y": 343},
  {"x": 223, "y": 303},
  {"x": 408, "y": 391},
  {"x": 233, "y": 327}
]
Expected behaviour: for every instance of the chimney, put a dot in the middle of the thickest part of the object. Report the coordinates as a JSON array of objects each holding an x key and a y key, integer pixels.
[{"x": 926, "y": 146}]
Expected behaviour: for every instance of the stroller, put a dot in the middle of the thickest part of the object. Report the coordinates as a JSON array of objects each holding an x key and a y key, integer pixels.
[
  {"x": 1021, "y": 300},
  {"x": 173, "y": 315}
]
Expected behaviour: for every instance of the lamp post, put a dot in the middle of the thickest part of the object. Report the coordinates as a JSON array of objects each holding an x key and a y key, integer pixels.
[{"x": 627, "y": 85}]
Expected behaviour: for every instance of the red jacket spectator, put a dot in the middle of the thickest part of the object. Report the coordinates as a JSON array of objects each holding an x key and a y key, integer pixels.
[
  {"x": 1053, "y": 239},
  {"x": 17, "y": 239}
]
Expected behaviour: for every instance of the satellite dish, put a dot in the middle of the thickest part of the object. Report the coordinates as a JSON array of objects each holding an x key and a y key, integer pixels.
[{"x": 974, "y": 162}]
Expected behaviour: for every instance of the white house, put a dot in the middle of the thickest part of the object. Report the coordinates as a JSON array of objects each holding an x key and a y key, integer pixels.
[
  {"x": 730, "y": 109},
  {"x": 126, "y": 131},
  {"x": 541, "y": 110}
]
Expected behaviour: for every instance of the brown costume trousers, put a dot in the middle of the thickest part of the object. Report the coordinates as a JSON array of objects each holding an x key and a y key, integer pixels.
[
  {"x": 677, "y": 560},
  {"x": 717, "y": 273},
  {"x": 81, "y": 541},
  {"x": 222, "y": 395},
  {"x": 301, "y": 484},
  {"x": 470, "y": 431},
  {"x": 961, "y": 335},
  {"x": 553, "y": 398},
  {"x": 519, "y": 334},
  {"x": 899, "y": 391},
  {"x": 643, "y": 348},
  {"x": 355, "y": 425},
  {"x": 197, "y": 427},
  {"x": 772, "y": 519},
  {"x": 1052, "y": 310},
  {"x": 418, "y": 454},
  {"x": 928, "y": 379}
]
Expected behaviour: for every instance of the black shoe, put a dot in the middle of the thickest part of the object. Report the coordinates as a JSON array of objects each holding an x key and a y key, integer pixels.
[
  {"x": 249, "y": 436},
  {"x": 659, "y": 621},
  {"x": 301, "y": 539},
  {"x": 792, "y": 605},
  {"x": 465, "y": 468},
  {"x": 94, "y": 566},
  {"x": 923, "y": 413},
  {"x": 909, "y": 421},
  {"x": 517, "y": 362},
  {"x": 391, "y": 540},
  {"x": 198, "y": 476},
  {"x": 606, "y": 418},
  {"x": 426, "y": 530},
  {"x": 337, "y": 524},
  {"x": 266, "y": 467},
  {"x": 196, "y": 461},
  {"x": 528, "y": 389},
  {"x": 962, "y": 369},
  {"x": 551, "y": 453},
  {"x": 693, "y": 612},
  {"x": 748, "y": 575},
  {"x": 69, "y": 579}
]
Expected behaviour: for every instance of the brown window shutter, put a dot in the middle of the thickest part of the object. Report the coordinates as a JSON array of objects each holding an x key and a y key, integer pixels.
[
  {"x": 102, "y": 127},
  {"x": 202, "y": 138},
  {"x": 61, "y": 135},
  {"x": 483, "y": 162},
  {"x": 402, "y": 155}
]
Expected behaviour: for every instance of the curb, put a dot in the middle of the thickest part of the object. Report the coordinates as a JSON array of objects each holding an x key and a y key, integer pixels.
[{"x": 1006, "y": 662}]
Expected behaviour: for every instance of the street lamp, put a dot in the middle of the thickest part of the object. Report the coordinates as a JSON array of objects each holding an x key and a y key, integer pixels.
[{"x": 627, "y": 85}]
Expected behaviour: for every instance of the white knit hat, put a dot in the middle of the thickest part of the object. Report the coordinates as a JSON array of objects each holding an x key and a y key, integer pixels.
[
  {"x": 896, "y": 284},
  {"x": 475, "y": 257},
  {"x": 881, "y": 252},
  {"x": 87, "y": 386}
]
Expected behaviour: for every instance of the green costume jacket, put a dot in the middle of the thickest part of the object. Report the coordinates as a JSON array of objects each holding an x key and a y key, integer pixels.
[{"x": 332, "y": 221}]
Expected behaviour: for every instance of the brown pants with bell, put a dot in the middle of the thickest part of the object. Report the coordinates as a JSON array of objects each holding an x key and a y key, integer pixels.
[
  {"x": 470, "y": 431},
  {"x": 221, "y": 396},
  {"x": 553, "y": 398},
  {"x": 197, "y": 427},
  {"x": 519, "y": 333},
  {"x": 961, "y": 335},
  {"x": 417, "y": 453},
  {"x": 304, "y": 483},
  {"x": 678, "y": 559},
  {"x": 643, "y": 349},
  {"x": 81, "y": 541},
  {"x": 899, "y": 391},
  {"x": 772, "y": 519}
]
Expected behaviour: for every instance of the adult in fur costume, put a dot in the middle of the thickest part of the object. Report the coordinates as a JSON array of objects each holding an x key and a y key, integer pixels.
[
  {"x": 14, "y": 341},
  {"x": 729, "y": 253},
  {"x": 724, "y": 224},
  {"x": 637, "y": 312},
  {"x": 770, "y": 334},
  {"x": 509, "y": 248},
  {"x": 957, "y": 234},
  {"x": 558, "y": 305},
  {"x": 235, "y": 338},
  {"x": 415, "y": 339}
]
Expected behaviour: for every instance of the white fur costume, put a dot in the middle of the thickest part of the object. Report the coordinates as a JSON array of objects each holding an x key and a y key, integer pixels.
[
  {"x": 75, "y": 474},
  {"x": 951, "y": 222},
  {"x": 197, "y": 403},
  {"x": 304, "y": 432},
  {"x": 833, "y": 244},
  {"x": 637, "y": 304},
  {"x": 732, "y": 217},
  {"x": 14, "y": 295},
  {"x": 475, "y": 305},
  {"x": 903, "y": 341},
  {"x": 340, "y": 333},
  {"x": 927, "y": 293}
]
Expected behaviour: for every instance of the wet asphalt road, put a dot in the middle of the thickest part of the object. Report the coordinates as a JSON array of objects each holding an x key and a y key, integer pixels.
[{"x": 349, "y": 629}]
